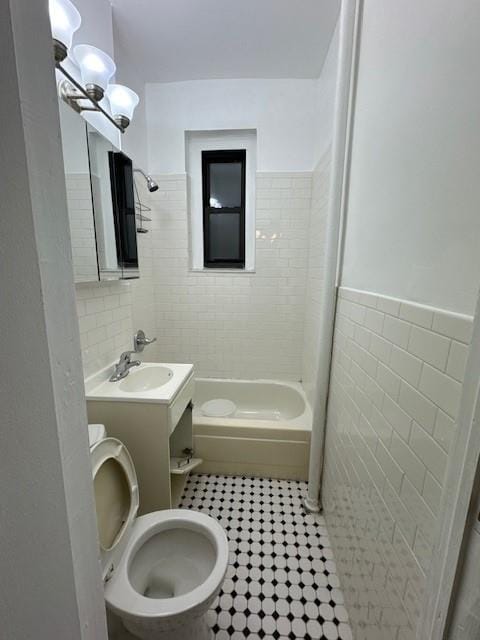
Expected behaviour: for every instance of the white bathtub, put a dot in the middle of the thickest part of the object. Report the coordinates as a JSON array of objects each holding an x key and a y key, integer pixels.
[{"x": 267, "y": 435}]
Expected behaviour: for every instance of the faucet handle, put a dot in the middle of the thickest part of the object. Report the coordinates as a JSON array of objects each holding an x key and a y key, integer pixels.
[{"x": 140, "y": 341}]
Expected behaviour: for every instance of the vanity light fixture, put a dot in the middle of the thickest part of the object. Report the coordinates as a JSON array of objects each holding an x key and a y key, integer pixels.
[
  {"x": 64, "y": 20},
  {"x": 95, "y": 66},
  {"x": 122, "y": 103},
  {"x": 96, "y": 69}
]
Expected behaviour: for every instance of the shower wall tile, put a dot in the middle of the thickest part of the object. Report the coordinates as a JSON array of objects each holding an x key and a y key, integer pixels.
[
  {"x": 234, "y": 324},
  {"x": 396, "y": 381}
]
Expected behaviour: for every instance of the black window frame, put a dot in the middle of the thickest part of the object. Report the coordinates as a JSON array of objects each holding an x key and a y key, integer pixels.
[{"x": 209, "y": 158}]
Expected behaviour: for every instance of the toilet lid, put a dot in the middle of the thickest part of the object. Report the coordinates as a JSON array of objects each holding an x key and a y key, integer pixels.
[
  {"x": 116, "y": 490},
  {"x": 218, "y": 408}
]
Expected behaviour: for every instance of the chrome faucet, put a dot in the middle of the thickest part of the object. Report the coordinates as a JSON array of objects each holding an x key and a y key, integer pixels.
[{"x": 123, "y": 366}]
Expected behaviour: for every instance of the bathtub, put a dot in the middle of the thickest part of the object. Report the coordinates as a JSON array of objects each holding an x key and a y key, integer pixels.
[{"x": 266, "y": 434}]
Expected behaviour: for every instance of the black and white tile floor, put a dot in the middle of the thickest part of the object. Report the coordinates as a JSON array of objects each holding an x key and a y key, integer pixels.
[{"x": 281, "y": 581}]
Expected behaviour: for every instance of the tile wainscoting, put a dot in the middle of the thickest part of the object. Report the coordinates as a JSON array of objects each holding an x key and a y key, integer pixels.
[
  {"x": 109, "y": 313},
  {"x": 396, "y": 381}
]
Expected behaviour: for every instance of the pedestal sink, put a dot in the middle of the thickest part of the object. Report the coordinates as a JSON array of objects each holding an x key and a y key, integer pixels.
[{"x": 146, "y": 379}]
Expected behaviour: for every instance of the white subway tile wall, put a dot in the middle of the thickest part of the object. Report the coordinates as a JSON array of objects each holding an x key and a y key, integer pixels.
[
  {"x": 82, "y": 231},
  {"x": 105, "y": 319},
  {"x": 396, "y": 381},
  {"x": 234, "y": 324},
  {"x": 109, "y": 313},
  {"x": 314, "y": 283}
]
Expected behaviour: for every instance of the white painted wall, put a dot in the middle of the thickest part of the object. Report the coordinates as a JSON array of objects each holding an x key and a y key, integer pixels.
[
  {"x": 282, "y": 112},
  {"x": 324, "y": 100},
  {"x": 413, "y": 218},
  {"x": 51, "y": 584},
  {"x": 97, "y": 26}
]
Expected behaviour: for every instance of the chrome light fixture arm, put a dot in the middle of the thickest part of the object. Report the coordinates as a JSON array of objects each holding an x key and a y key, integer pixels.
[{"x": 72, "y": 92}]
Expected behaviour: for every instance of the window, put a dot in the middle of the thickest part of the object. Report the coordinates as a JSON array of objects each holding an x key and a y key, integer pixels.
[{"x": 223, "y": 175}]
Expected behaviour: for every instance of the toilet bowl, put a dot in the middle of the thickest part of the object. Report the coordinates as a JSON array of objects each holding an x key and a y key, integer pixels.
[{"x": 162, "y": 570}]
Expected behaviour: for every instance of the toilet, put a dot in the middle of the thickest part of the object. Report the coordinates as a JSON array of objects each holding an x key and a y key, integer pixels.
[{"x": 162, "y": 570}]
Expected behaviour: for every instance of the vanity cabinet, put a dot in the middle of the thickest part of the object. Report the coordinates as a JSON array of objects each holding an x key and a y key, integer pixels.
[{"x": 156, "y": 435}]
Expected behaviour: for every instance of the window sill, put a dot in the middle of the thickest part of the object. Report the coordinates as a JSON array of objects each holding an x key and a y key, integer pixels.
[{"x": 227, "y": 271}]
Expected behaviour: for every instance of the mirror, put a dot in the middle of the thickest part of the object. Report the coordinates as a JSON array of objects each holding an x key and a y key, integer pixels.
[
  {"x": 114, "y": 208},
  {"x": 99, "y": 149},
  {"x": 79, "y": 195},
  {"x": 101, "y": 203}
]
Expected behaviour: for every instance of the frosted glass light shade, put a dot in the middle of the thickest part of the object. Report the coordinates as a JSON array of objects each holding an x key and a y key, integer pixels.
[
  {"x": 64, "y": 21},
  {"x": 122, "y": 101},
  {"x": 96, "y": 69}
]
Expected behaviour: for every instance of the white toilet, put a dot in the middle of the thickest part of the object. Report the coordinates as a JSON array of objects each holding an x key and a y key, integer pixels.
[{"x": 162, "y": 570}]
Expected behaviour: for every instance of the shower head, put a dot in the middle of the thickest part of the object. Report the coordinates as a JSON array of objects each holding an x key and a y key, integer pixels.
[{"x": 151, "y": 184}]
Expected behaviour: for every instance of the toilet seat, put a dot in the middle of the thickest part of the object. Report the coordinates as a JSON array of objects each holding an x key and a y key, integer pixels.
[
  {"x": 116, "y": 498},
  {"x": 125, "y": 600}
]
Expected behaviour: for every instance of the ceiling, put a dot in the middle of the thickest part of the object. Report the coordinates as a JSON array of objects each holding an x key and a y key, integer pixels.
[{"x": 173, "y": 40}]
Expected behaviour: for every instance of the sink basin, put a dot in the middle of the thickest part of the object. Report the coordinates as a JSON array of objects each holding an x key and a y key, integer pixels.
[
  {"x": 146, "y": 379},
  {"x": 157, "y": 382}
]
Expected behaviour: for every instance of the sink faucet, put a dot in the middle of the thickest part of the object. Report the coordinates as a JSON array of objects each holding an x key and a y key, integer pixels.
[{"x": 123, "y": 366}]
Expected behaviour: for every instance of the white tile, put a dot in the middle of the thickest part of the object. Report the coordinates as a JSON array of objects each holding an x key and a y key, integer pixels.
[
  {"x": 390, "y": 468},
  {"x": 444, "y": 430},
  {"x": 408, "y": 461},
  {"x": 429, "y": 347},
  {"x": 441, "y": 389},
  {"x": 407, "y": 366},
  {"x": 423, "y": 550},
  {"x": 418, "y": 508},
  {"x": 417, "y": 406},
  {"x": 427, "y": 449},
  {"x": 396, "y": 331},
  {"x": 416, "y": 314},
  {"x": 457, "y": 360},
  {"x": 388, "y": 305},
  {"x": 388, "y": 380},
  {"x": 380, "y": 348},
  {"x": 432, "y": 492},
  {"x": 381, "y": 426},
  {"x": 374, "y": 320},
  {"x": 453, "y": 325},
  {"x": 399, "y": 420}
]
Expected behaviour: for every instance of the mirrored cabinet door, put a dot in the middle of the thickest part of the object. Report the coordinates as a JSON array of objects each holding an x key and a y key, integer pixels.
[
  {"x": 99, "y": 152},
  {"x": 79, "y": 195},
  {"x": 114, "y": 208}
]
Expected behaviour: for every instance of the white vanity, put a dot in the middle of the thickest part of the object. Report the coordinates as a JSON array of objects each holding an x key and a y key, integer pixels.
[{"x": 150, "y": 411}]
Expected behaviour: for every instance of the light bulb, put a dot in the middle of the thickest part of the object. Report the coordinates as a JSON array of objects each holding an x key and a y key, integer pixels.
[
  {"x": 96, "y": 69},
  {"x": 122, "y": 103},
  {"x": 64, "y": 21}
]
